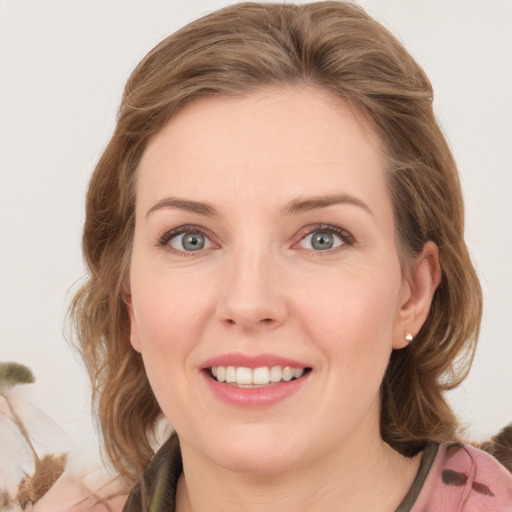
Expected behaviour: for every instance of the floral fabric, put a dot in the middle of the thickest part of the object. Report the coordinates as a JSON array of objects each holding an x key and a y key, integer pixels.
[{"x": 464, "y": 479}]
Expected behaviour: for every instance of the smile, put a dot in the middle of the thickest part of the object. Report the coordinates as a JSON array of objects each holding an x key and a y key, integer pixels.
[
  {"x": 241, "y": 376},
  {"x": 262, "y": 380}
]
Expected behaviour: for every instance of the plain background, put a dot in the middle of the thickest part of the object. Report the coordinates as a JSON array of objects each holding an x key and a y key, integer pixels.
[{"x": 63, "y": 64}]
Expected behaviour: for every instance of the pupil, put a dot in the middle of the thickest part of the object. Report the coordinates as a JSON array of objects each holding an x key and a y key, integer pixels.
[
  {"x": 322, "y": 241},
  {"x": 193, "y": 241}
]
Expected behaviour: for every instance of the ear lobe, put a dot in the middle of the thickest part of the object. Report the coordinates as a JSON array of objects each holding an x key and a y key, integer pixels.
[
  {"x": 422, "y": 282},
  {"x": 134, "y": 332}
]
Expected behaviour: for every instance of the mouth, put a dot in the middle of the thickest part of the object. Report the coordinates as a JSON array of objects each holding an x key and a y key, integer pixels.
[{"x": 264, "y": 376}]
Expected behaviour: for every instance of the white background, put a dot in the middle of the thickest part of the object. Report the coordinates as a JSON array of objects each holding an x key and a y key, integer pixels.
[{"x": 63, "y": 64}]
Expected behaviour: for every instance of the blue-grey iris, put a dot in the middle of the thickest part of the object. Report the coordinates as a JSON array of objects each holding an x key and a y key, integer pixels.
[
  {"x": 193, "y": 241},
  {"x": 322, "y": 240}
]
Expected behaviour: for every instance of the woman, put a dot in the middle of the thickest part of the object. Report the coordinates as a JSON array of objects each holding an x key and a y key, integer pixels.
[{"x": 277, "y": 266}]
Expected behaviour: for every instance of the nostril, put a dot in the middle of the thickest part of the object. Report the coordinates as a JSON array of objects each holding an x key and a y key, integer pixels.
[{"x": 251, "y": 327}]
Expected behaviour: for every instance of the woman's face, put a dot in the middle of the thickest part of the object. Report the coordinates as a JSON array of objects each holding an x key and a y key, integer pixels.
[{"x": 264, "y": 240}]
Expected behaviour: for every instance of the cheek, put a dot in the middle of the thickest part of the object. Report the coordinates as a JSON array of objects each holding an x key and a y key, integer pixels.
[
  {"x": 168, "y": 309},
  {"x": 353, "y": 316},
  {"x": 350, "y": 321},
  {"x": 169, "y": 325}
]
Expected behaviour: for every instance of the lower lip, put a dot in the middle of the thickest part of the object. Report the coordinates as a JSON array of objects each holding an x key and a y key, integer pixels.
[{"x": 255, "y": 397}]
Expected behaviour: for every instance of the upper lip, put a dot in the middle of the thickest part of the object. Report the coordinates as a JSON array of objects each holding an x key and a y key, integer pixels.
[{"x": 247, "y": 361}]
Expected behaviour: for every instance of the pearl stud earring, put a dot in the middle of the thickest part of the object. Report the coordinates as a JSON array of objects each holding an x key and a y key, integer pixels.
[{"x": 408, "y": 337}]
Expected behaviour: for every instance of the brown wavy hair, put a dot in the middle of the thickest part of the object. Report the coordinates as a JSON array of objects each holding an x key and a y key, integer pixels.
[{"x": 335, "y": 47}]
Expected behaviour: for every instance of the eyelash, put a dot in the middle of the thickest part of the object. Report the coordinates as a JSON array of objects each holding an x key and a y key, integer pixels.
[
  {"x": 164, "y": 240},
  {"x": 346, "y": 238},
  {"x": 344, "y": 235}
]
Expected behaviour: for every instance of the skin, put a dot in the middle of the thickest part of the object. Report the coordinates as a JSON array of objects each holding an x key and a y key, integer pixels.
[{"x": 259, "y": 286}]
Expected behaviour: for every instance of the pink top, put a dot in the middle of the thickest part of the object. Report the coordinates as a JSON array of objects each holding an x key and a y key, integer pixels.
[{"x": 460, "y": 478}]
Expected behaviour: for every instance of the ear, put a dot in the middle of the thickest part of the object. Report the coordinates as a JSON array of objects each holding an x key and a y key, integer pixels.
[
  {"x": 134, "y": 331},
  {"x": 418, "y": 288}
]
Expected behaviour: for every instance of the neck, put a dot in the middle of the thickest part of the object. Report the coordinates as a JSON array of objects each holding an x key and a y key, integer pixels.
[{"x": 357, "y": 477}]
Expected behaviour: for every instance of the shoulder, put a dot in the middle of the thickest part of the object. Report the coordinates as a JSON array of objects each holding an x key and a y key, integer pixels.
[
  {"x": 463, "y": 478},
  {"x": 156, "y": 490}
]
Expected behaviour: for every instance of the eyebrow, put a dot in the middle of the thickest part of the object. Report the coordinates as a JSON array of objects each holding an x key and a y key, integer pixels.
[
  {"x": 307, "y": 204},
  {"x": 296, "y": 206},
  {"x": 184, "y": 204}
]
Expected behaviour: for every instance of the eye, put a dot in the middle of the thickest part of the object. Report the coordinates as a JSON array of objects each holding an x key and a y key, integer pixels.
[
  {"x": 186, "y": 239},
  {"x": 189, "y": 242},
  {"x": 325, "y": 238}
]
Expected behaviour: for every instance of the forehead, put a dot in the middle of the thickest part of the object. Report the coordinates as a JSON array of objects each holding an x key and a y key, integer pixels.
[{"x": 274, "y": 144}]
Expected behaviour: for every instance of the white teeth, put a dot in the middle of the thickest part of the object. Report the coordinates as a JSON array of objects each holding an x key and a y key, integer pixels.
[
  {"x": 287, "y": 373},
  {"x": 221, "y": 373},
  {"x": 261, "y": 375},
  {"x": 230, "y": 374},
  {"x": 243, "y": 375},
  {"x": 276, "y": 374},
  {"x": 297, "y": 372},
  {"x": 258, "y": 376}
]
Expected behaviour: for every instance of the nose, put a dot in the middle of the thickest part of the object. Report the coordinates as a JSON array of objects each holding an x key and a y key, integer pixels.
[{"x": 251, "y": 294}]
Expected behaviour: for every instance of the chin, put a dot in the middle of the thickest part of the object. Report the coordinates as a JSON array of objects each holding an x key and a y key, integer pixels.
[
  {"x": 262, "y": 450},
  {"x": 257, "y": 460}
]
